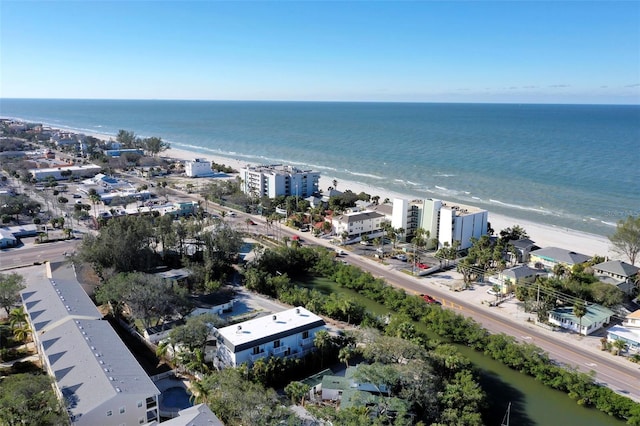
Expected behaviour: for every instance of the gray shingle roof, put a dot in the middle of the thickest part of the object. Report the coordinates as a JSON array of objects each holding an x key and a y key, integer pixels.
[
  {"x": 617, "y": 267},
  {"x": 561, "y": 255}
]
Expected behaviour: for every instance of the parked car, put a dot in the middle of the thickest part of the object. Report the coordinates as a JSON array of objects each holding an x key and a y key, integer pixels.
[
  {"x": 401, "y": 257},
  {"x": 365, "y": 243},
  {"x": 77, "y": 196},
  {"x": 380, "y": 250},
  {"x": 492, "y": 292},
  {"x": 429, "y": 299},
  {"x": 422, "y": 265}
]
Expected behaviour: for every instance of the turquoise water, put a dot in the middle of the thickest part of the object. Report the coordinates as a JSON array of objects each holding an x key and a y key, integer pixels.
[{"x": 573, "y": 166}]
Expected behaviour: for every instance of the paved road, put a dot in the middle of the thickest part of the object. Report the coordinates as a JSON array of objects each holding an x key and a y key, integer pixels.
[
  {"x": 30, "y": 254},
  {"x": 622, "y": 377}
]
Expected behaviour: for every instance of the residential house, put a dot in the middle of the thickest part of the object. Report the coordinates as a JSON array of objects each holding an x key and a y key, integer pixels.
[
  {"x": 621, "y": 274},
  {"x": 95, "y": 375},
  {"x": 629, "y": 331},
  {"x": 523, "y": 247},
  {"x": 508, "y": 279},
  {"x": 333, "y": 387},
  {"x": 198, "y": 415},
  {"x": 547, "y": 258},
  {"x": 214, "y": 303},
  {"x": 7, "y": 239},
  {"x": 286, "y": 334},
  {"x": 595, "y": 318}
]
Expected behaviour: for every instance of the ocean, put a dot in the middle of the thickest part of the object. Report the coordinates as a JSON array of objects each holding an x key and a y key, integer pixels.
[{"x": 570, "y": 166}]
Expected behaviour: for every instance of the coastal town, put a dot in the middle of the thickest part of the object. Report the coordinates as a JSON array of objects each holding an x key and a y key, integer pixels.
[{"x": 189, "y": 289}]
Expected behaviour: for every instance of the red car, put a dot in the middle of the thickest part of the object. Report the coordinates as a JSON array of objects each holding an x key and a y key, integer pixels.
[
  {"x": 429, "y": 299},
  {"x": 422, "y": 265}
]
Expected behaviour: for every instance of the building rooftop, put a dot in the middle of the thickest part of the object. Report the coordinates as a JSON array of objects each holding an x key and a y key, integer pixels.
[
  {"x": 560, "y": 255},
  {"x": 617, "y": 267},
  {"x": 359, "y": 216},
  {"x": 198, "y": 415},
  {"x": 54, "y": 300},
  {"x": 264, "y": 329},
  {"x": 595, "y": 314},
  {"x": 520, "y": 271}
]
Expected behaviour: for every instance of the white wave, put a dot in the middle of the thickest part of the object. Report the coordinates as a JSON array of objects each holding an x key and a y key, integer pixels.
[
  {"x": 443, "y": 175},
  {"x": 412, "y": 183},
  {"x": 442, "y": 188},
  {"x": 519, "y": 207},
  {"x": 608, "y": 223},
  {"x": 363, "y": 174},
  {"x": 476, "y": 198}
]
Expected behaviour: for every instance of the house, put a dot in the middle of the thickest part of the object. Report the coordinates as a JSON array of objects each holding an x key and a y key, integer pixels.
[
  {"x": 275, "y": 180},
  {"x": 94, "y": 373},
  {"x": 7, "y": 239},
  {"x": 358, "y": 223},
  {"x": 214, "y": 303},
  {"x": 508, "y": 279},
  {"x": 197, "y": 415},
  {"x": 523, "y": 247},
  {"x": 547, "y": 258},
  {"x": 198, "y": 168},
  {"x": 333, "y": 387},
  {"x": 629, "y": 331},
  {"x": 618, "y": 273},
  {"x": 596, "y": 317},
  {"x": 288, "y": 333},
  {"x": 115, "y": 153}
]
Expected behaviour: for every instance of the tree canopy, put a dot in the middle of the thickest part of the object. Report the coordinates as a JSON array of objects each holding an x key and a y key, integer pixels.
[
  {"x": 10, "y": 286},
  {"x": 626, "y": 239},
  {"x": 28, "y": 399}
]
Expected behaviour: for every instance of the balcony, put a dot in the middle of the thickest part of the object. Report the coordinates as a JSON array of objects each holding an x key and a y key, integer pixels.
[
  {"x": 255, "y": 357},
  {"x": 280, "y": 351}
]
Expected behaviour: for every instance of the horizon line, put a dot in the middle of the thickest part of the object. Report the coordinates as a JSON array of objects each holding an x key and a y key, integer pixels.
[{"x": 322, "y": 101}]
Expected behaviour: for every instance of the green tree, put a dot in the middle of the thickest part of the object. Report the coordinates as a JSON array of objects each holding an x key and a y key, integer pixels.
[
  {"x": 127, "y": 139},
  {"x": 28, "y": 399},
  {"x": 626, "y": 239},
  {"x": 155, "y": 145},
  {"x": 619, "y": 346},
  {"x": 10, "y": 287},
  {"x": 297, "y": 391},
  {"x": 579, "y": 310}
]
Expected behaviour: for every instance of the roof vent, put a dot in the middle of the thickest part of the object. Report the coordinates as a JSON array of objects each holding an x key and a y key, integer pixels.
[
  {"x": 298, "y": 311},
  {"x": 274, "y": 317},
  {"x": 118, "y": 390},
  {"x": 111, "y": 378},
  {"x": 239, "y": 329}
]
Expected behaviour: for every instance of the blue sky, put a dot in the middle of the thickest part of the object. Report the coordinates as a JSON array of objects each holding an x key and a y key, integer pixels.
[{"x": 427, "y": 51}]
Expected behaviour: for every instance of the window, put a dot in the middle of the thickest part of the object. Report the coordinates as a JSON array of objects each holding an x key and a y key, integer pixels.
[
  {"x": 276, "y": 344},
  {"x": 122, "y": 410},
  {"x": 139, "y": 404},
  {"x": 109, "y": 413},
  {"x": 256, "y": 350},
  {"x": 305, "y": 334}
]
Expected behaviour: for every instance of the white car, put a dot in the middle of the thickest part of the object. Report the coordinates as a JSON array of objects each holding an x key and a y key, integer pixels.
[{"x": 492, "y": 292}]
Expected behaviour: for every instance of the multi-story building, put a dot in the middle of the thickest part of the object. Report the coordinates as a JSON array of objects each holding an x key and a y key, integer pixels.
[
  {"x": 358, "y": 223},
  {"x": 198, "y": 167},
  {"x": 548, "y": 257},
  {"x": 446, "y": 222},
  {"x": 86, "y": 170},
  {"x": 286, "y": 334},
  {"x": 95, "y": 374},
  {"x": 275, "y": 180}
]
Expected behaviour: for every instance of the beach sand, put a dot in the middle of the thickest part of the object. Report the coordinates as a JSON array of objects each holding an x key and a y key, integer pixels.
[{"x": 543, "y": 235}]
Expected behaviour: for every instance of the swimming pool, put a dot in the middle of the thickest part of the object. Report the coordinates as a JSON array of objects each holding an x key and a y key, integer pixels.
[{"x": 176, "y": 397}]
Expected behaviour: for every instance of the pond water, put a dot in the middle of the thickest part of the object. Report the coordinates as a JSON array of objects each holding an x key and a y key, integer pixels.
[{"x": 531, "y": 402}]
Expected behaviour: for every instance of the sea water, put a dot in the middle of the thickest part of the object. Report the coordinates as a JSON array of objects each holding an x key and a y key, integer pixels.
[{"x": 571, "y": 166}]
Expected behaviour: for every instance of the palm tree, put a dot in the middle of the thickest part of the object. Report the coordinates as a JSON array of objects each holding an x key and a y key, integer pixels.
[
  {"x": 95, "y": 199},
  {"x": 322, "y": 341},
  {"x": 579, "y": 310},
  {"x": 346, "y": 354},
  {"x": 619, "y": 346}
]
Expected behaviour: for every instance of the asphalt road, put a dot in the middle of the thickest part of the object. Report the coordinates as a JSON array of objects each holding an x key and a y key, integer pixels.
[
  {"x": 622, "y": 378},
  {"x": 30, "y": 254}
]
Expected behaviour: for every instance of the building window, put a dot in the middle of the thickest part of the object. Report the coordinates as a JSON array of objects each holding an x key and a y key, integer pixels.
[
  {"x": 256, "y": 350},
  {"x": 139, "y": 404},
  {"x": 276, "y": 344},
  {"x": 109, "y": 413},
  {"x": 305, "y": 334}
]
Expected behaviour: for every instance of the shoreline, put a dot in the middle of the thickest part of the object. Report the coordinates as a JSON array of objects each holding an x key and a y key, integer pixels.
[{"x": 543, "y": 235}]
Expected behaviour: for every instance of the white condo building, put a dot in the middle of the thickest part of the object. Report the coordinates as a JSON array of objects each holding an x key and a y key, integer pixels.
[
  {"x": 198, "y": 167},
  {"x": 286, "y": 334},
  {"x": 447, "y": 222},
  {"x": 358, "y": 223},
  {"x": 274, "y": 180}
]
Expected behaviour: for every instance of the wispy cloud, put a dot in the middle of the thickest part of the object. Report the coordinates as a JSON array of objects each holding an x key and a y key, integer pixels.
[
  {"x": 560, "y": 86},
  {"x": 633, "y": 85}
]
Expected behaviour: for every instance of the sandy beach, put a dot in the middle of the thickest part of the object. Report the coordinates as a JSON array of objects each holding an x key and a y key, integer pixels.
[{"x": 543, "y": 235}]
